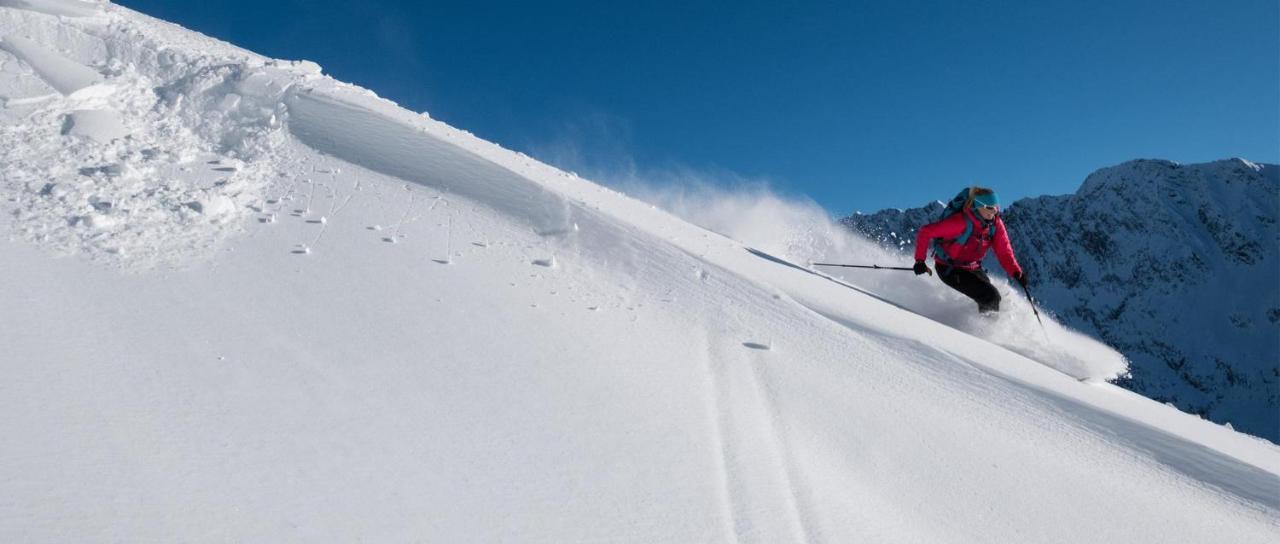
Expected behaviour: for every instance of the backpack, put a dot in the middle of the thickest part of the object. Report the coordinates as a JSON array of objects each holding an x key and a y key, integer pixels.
[{"x": 958, "y": 203}]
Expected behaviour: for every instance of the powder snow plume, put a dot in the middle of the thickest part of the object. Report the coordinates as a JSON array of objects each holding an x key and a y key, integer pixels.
[{"x": 800, "y": 231}]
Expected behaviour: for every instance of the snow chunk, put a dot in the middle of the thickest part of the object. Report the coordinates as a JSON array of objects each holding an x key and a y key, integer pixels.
[
  {"x": 214, "y": 207},
  {"x": 300, "y": 67},
  {"x": 100, "y": 221},
  {"x": 101, "y": 126},
  {"x": 63, "y": 74}
]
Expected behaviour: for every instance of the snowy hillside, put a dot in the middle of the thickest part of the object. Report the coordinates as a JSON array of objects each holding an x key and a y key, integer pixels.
[
  {"x": 246, "y": 302},
  {"x": 1174, "y": 265}
]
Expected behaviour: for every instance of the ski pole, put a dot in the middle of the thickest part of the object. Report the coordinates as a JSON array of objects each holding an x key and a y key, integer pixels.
[
  {"x": 1035, "y": 311},
  {"x": 872, "y": 266},
  {"x": 1033, "y": 304}
]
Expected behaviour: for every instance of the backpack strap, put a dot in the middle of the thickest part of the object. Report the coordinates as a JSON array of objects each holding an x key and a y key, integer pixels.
[
  {"x": 968, "y": 230},
  {"x": 940, "y": 254}
]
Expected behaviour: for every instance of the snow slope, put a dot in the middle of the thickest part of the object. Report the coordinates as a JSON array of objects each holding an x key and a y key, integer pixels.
[{"x": 281, "y": 309}]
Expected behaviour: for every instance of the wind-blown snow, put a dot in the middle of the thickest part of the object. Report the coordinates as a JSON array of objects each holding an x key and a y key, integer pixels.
[{"x": 233, "y": 349}]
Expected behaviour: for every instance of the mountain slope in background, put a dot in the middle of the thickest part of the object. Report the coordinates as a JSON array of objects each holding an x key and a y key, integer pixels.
[
  {"x": 1173, "y": 265},
  {"x": 245, "y": 302}
]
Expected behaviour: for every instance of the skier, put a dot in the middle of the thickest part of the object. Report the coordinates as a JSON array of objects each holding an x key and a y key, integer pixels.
[{"x": 969, "y": 226}]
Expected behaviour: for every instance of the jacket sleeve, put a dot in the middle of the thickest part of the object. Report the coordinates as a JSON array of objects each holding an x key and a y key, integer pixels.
[
  {"x": 1004, "y": 251},
  {"x": 949, "y": 227}
]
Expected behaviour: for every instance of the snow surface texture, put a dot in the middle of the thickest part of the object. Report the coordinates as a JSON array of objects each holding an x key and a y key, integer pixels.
[
  {"x": 395, "y": 331},
  {"x": 1174, "y": 265}
]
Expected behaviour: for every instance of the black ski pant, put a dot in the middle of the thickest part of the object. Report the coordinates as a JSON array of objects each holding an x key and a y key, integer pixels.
[{"x": 974, "y": 284}]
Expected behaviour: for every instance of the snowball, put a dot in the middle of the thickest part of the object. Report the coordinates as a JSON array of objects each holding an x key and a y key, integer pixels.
[{"x": 100, "y": 221}]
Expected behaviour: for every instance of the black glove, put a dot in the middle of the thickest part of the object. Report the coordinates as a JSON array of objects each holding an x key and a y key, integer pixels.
[
  {"x": 1022, "y": 279},
  {"x": 921, "y": 268}
]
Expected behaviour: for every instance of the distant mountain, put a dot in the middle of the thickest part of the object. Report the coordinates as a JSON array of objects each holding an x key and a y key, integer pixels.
[{"x": 1174, "y": 265}]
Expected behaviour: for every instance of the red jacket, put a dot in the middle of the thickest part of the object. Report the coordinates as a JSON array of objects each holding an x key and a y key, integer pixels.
[{"x": 968, "y": 256}]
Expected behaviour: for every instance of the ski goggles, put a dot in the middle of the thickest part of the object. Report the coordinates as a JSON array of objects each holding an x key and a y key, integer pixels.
[{"x": 987, "y": 201}]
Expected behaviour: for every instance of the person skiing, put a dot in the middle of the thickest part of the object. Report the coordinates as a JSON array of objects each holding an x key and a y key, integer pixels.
[{"x": 969, "y": 227}]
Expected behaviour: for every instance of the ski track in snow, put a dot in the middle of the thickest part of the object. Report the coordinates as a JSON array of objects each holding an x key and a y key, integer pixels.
[{"x": 761, "y": 492}]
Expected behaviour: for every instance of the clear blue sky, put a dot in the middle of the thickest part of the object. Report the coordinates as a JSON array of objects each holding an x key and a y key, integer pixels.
[{"x": 859, "y": 105}]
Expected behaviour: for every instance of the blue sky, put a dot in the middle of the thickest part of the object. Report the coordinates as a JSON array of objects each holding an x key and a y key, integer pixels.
[{"x": 857, "y": 105}]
